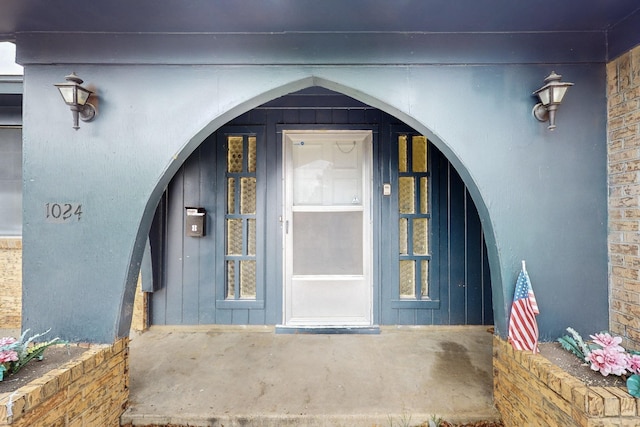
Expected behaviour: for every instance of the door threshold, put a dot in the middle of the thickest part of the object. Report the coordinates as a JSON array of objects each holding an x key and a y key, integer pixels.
[{"x": 329, "y": 330}]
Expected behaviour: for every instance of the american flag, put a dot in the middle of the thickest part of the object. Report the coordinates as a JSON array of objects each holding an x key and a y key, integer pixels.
[{"x": 523, "y": 328}]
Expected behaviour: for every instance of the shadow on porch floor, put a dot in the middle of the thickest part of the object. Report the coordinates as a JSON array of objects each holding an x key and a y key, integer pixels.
[{"x": 248, "y": 376}]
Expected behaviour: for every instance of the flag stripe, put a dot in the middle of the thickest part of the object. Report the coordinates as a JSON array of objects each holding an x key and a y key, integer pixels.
[
  {"x": 523, "y": 328},
  {"x": 532, "y": 299}
]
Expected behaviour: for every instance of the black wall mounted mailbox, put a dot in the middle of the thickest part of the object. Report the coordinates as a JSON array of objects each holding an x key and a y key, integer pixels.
[{"x": 195, "y": 223}]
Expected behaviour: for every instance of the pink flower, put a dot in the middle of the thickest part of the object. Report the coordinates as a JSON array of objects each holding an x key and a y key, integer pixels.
[
  {"x": 6, "y": 341},
  {"x": 634, "y": 363},
  {"x": 8, "y": 356},
  {"x": 608, "y": 361},
  {"x": 607, "y": 341}
]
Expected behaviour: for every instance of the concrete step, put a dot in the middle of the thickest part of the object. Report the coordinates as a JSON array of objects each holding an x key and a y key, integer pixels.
[
  {"x": 130, "y": 419},
  {"x": 211, "y": 376}
]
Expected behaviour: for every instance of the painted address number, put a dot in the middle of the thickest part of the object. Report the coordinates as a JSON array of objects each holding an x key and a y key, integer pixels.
[{"x": 63, "y": 212}]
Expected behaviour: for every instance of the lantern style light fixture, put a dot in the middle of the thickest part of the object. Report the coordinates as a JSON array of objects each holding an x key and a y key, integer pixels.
[
  {"x": 550, "y": 96},
  {"x": 76, "y": 96}
]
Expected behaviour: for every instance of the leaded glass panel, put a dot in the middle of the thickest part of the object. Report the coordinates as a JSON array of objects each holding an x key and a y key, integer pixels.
[
  {"x": 424, "y": 195},
  {"x": 247, "y": 195},
  {"x": 235, "y": 154},
  {"x": 424, "y": 278},
  {"x": 404, "y": 236},
  {"x": 231, "y": 279},
  {"x": 231, "y": 195},
  {"x": 407, "y": 279},
  {"x": 251, "y": 154},
  {"x": 419, "y": 153},
  {"x": 234, "y": 236},
  {"x": 402, "y": 153},
  {"x": 414, "y": 216},
  {"x": 241, "y": 233},
  {"x": 251, "y": 237},
  {"x": 247, "y": 279},
  {"x": 420, "y": 236},
  {"x": 407, "y": 195}
]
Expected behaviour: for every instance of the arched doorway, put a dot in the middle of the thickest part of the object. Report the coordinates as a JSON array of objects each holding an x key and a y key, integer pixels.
[
  {"x": 428, "y": 256},
  {"x": 424, "y": 225}
]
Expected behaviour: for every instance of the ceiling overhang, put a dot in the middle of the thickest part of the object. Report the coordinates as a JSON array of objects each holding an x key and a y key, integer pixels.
[{"x": 615, "y": 22}]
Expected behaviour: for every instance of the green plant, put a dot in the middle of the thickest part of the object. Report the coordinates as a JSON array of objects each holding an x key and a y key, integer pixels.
[
  {"x": 405, "y": 420},
  {"x": 435, "y": 421},
  {"x": 14, "y": 354},
  {"x": 575, "y": 344}
]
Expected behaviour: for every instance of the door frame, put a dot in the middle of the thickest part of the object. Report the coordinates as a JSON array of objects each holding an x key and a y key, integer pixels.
[{"x": 374, "y": 213}]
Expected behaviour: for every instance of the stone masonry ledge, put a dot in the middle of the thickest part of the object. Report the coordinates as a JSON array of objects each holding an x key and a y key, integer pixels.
[
  {"x": 70, "y": 394},
  {"x": 10, "y": 243},
  {"x": 530, "y": 390}
]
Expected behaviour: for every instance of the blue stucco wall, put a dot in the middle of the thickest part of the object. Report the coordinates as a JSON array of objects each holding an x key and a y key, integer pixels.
[{"x": 541, "y": 196}]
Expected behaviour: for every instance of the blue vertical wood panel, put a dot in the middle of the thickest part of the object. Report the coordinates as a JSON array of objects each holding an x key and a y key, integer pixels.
[
  {"x": 424, "y": 316},
  {"x": 157, "y": 239},
  {"x": 389, "y": 247},
  {"x": 207, "y": 252},
  {"x": 257, "y": 315},
  {"x": 224, "y": 317},
  {"x": 273, "y": 239},
  {"x": 158, "y": 309},
  {"x": 440, "y": 198},
  {"x": 290, "y": 116},
  {"x": 487, "y": 302},
  {"x": 323, "y": 116},
  {"x": 372, "y": 116},
  {"x": 356, "y": 116},
  {"x": 406, "y": 316},
  {"x": 239, "y": 316},
  {"x": 340, "y": 116},
  {"x": 457, "y": 231},
  {"x": 376, "y": 208},
  {"x": 175, "y": 251},
  {"x": 219, "y": 141},
  {"x": 191, "y": 245},
  {"x": 244, "y": 118},
  {"x": 307, "y": 116},
  {"x": 258, "y": 116},
  {"x": 473, "y": 275},
  {"x": 436, "y": 162}
]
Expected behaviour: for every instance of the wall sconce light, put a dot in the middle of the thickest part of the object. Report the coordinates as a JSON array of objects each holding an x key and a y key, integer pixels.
[
  {"x": 75, "y": 96},
  {"x": 550, "y": 96}
]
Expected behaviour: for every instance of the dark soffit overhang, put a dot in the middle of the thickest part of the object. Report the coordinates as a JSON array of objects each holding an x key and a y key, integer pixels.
[{"x": 618, "y": 20}]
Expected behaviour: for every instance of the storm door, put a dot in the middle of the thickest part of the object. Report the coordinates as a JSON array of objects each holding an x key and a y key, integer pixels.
[{"x": 327, "y": 228}]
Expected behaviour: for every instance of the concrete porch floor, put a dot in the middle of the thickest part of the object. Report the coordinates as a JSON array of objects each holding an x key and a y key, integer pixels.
[{"x": 251, "y": 376}]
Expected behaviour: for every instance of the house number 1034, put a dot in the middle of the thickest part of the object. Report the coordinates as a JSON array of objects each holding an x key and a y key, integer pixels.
[{"x": 63, "y": 212}]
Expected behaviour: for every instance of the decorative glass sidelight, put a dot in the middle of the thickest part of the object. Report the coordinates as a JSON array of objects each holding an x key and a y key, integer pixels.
[
  {"x": 240, "y": 218},
  {"x": 414, "y": 216}
]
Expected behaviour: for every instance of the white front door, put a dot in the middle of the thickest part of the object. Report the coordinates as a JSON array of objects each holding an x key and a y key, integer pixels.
[{"x": 327, "y": 228}]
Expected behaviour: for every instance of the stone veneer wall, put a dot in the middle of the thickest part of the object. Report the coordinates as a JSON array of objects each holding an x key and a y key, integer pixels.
[
  {"x": 623, "y": 94},
  {"x": 91, "y": 390},
  {"x": 10, "y": 283},
  {"x": 529, "y": 390},
  {"x": 140, "y": 319}
]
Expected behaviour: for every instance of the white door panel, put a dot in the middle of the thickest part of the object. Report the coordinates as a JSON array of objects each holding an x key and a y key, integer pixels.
[{"x": 328, "y": 247}]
